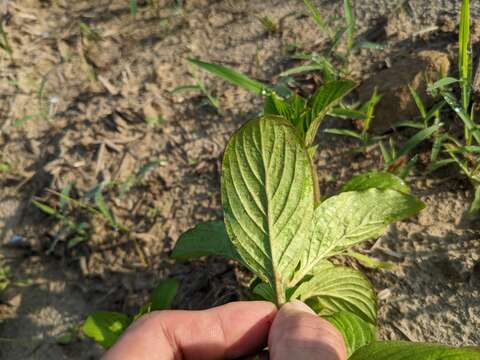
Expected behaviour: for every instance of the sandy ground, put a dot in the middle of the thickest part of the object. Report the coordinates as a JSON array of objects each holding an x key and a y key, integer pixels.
[{"x": 84, "y": 93}]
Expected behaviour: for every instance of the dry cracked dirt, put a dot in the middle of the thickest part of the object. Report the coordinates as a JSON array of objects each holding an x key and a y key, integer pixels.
[{"x": 85, "y": 100}]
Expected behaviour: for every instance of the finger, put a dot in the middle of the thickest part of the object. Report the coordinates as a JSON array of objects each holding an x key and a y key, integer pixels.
[
  {"x": 263, "y": 355},
  {"x": 225, "y": 332},
  {"x": 298, "y": 333}
]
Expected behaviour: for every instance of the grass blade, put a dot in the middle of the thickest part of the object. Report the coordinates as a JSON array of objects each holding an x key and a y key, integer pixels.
[
  {"x": 344, "y": 132},
  {"x": 185, "y": 88},
  {"x": 387, "y": 157},
  {"x": 416, "y": 139},
  {"x": 370, "y": 110},
  {"x": 369, "y": 45},
  {"x": 442, "y": 83},
  {"x": 65, "y": 197},
  {"x": 418, "y": 102},
  {"x": 462, "y": 114},
  {"x": 45, "y": 208},
  {"x": 317, "y": 17},
  {"x": 346, "y": 113},
  {"x": 103, "y": 208},
  {"x": 439, "y": 164},
  {"x": 336, "y": 39},
  {"x": 350, "y": 22},
  {"x": 133, "y": 7},
  {"x": 409, "y": 124},
  {"x": 233, "y": 77},
  {"x": 464, "y": 53},
  {"x": 301, "y": 69},
  {"x": 435, "y": 110}
]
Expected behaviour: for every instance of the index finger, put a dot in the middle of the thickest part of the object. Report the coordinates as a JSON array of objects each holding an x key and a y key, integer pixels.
[{"x": 225, "y": 332}]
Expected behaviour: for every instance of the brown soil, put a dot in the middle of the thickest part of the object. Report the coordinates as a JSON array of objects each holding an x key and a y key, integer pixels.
[{"x": 84, "y": 96}]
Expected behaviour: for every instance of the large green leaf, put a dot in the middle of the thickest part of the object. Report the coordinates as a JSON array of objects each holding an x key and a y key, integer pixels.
[
  {"x": 209, "y": 238},
  {"x": 339, "y": 289},
  {"x": 233, "y": 77},
  {"x": 105, "y": 327},
  {"x": 375, "y": 179},
  {"x": 267, "y": 196},
  {"x": 403, "y": 350},
  {"x": 324, "y": 99},
  {"x": 356, "y": 332},
  {"x": 354, "y": 216}
]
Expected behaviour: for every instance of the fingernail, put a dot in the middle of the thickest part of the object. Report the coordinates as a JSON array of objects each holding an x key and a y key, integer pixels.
[{"x": 297, "y": 305}]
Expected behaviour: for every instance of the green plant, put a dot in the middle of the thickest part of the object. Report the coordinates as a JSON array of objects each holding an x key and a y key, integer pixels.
[
  {"x": 133, "y": 5},
  {"x": 365, "y": 115},
  {"x": 274, "y": 226},
  {"x": 4, "y": 42},
  {"x": 199, "y": 86},
  {"x": 105, "y": 327},
  {"x": 268, "y": 24},
  {"x": 462, "y": 150},
  {"x": 305, "y": 115},
  {"x": 75, "y": 232},
  {"x": 338, "y": 33},
  {"x": 72, "y": 230},
  {"x": 7, "y": 279}
]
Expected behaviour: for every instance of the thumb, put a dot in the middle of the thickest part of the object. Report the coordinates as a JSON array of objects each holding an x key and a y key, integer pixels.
[{"x": 298, "y": 333}]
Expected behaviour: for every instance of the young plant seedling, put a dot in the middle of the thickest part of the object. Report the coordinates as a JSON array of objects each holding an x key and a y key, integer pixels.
[
  {"x": 345, "y": 32},
  {"x": 274, "y": 227},
  {"x": 365, "y": 115},
  {"x": 461, "y": 150},
  {"x": 105, "y": 327},
  {"x": 199, "y": 86},
  {"x": 305, "y": 115},
  {"x": 4, "y": 42}
]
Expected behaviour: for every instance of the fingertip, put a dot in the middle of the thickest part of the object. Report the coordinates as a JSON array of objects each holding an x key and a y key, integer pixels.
[
  {"x": 297, "y": 306},
  {"x": 298, "y": 332}
]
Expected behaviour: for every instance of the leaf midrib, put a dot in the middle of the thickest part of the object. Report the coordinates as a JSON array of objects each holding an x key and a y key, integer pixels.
[{"x": 277, "y": 285}]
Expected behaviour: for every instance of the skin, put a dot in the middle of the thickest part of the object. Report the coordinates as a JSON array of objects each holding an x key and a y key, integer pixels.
[{"x": 232, "y": 331}]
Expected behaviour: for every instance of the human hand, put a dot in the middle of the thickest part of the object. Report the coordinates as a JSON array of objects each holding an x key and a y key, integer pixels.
[{"x": 231, "y": 331}]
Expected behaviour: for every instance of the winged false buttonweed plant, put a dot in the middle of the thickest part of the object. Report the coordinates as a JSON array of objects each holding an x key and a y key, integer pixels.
[{"x": 274, "y": 226}]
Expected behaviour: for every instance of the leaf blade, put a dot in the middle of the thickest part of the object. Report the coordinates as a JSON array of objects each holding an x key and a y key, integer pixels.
[
  {"x": 162, "y": 296},
  {"x": 355, "y": 331},
  {"x": 340, "y": 289},
  {"x": 267, "y": 196},
  {"x": 233, "y": 76},
  {"x": 209, "y": 238},
  {"x": 375, "y": 179},
  {"x": 355, "y": 216},
  {"x": 403, "y": 350},
  {"x": 105, "y": 327},
  {"x": 325, "y": 98}
]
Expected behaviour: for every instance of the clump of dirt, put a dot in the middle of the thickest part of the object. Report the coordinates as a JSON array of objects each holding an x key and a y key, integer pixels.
[
  {"x": 413, "y": 71},
  {"x": 86, "y": 101}
]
